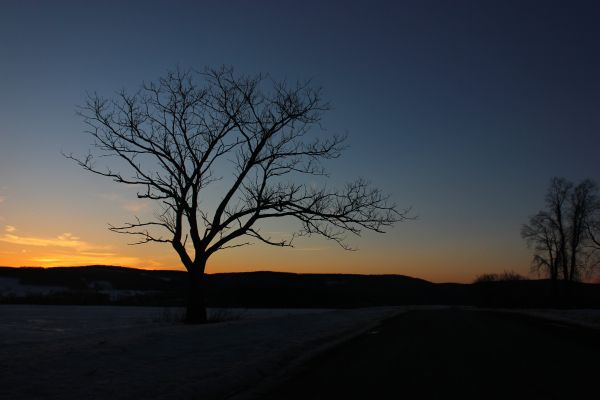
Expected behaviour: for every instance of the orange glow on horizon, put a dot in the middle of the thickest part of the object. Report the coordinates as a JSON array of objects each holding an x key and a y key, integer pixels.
[
  {"x": 449, "y": 273},
  {"x": 311, "y": 256}
]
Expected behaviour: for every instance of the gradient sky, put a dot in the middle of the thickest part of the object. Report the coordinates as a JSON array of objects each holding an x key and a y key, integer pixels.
[{"x": 461, "y": 109}]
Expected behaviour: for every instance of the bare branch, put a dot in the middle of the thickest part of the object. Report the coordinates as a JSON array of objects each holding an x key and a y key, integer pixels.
[{"x": 175, "y": 137}]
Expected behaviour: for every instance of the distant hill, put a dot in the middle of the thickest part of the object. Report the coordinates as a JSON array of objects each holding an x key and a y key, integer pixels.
[{"x": 128, "y": 286}]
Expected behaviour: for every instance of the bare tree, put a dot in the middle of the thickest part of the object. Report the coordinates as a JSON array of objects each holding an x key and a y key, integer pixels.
[
  {"x": 562, "y": 235},
  {"x": 176, "y": 138},
  {"x": 556, "y": 205},
  {"x": 593, "y": 229},
  {"x": 583, "y": 203},
  {"x": 540, "y": 233}
]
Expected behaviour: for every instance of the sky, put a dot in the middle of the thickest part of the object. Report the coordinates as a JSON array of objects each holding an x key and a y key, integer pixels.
[{"x": 462, "y": 110}]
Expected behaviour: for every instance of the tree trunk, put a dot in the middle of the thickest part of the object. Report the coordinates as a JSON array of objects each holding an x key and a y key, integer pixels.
[
  {"x": 565, "y": 269},
  {"x": 196, "y": 300},
  {"x": 554, "y": 288}
]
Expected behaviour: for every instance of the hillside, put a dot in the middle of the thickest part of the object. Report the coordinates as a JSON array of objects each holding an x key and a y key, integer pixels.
[{"x": 129, "y": 286}]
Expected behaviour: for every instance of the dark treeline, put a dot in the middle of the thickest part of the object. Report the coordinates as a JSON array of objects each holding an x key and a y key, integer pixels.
[{"x": 127, "y": 286}]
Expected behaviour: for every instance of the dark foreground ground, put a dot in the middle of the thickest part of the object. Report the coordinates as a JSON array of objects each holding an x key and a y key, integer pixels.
[{"x": 455, "y": 353}]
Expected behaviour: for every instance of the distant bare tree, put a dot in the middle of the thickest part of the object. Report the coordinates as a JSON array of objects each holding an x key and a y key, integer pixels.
[
  {"x": 175, "y": 138},
  {"x": 583, "y": 206},
  {"x": 593, "y": 229},
  {"x": 541, "y": 235},
  {"x": 562, "y": 235}
]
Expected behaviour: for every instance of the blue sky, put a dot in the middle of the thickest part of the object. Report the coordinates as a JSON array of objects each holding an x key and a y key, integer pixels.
[{"x": 463, "y": 110}]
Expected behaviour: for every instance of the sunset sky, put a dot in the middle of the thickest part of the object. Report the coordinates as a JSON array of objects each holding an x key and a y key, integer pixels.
[{"x": 462, "y": 110}]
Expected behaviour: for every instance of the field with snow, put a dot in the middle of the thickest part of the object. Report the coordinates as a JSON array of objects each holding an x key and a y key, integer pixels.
[
  {"x": 108, "y": 352},
  {"x": 90, "y": 352}
]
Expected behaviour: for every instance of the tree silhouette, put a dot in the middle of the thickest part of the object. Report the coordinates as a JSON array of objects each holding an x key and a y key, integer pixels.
[
  {"x": 562, "y": 234},
  {"x": 177, "y": 140}
]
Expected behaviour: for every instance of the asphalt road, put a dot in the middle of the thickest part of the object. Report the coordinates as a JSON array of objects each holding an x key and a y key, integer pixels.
[{"x": 455, "y": 353}]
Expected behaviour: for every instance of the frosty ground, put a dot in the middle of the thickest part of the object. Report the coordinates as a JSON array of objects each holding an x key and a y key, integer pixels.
[
  {"x": 102, "y": 352},
  {"x": 77, "y": 352}
]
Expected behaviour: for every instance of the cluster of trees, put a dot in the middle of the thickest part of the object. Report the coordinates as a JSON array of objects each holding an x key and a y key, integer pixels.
[
  {"x": 506, "y": 276},
  {"x": 565, "y": 235}
]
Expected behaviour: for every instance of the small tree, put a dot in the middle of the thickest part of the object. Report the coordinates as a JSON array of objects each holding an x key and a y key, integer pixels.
[
  {"x": 175, "y": 138},
  {"x": 562, "y": 234}
]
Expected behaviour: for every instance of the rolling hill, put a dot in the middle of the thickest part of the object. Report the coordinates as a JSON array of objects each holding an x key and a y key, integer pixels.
[{"x": 128, "y": 286}]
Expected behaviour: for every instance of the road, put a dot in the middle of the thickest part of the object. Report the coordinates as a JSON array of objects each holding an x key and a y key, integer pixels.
[{"x": 454, "y": 353}]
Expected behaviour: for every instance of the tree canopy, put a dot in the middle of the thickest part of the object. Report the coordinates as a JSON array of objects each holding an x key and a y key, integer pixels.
[{"x": 177, "y": 137}]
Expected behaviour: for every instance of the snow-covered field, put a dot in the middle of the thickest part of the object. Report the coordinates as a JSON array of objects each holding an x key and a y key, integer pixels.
[
  {"x": 89, "y": 352},
  {"x": 108, "y": 352},
  {"x": 13, "y": 287}
]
